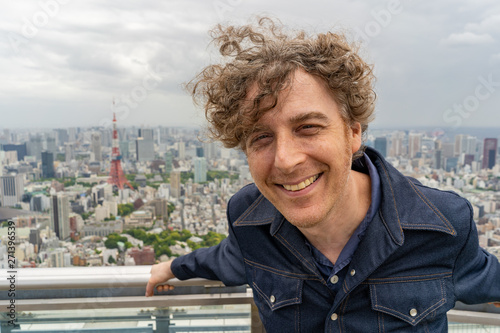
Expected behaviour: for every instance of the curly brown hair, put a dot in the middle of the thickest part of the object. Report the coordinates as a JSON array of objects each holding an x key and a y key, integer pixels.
[{"x": 265, "y": 56}]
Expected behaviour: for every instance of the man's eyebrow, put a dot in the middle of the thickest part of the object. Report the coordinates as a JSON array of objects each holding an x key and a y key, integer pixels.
[
  {"x": 294, "y": 120},
  {"x": 308, "y": 116}
]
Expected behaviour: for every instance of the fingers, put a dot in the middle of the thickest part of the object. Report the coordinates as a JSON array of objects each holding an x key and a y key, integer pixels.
[
  {"x": 160, "y": 273},
  {"x": 160, "y": 289},
  {"x": 149, "y": 290},
  {"x": 165, "y": 287}
]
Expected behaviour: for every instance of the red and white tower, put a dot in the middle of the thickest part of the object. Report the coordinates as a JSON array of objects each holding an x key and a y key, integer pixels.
[{"x": 116, "y": 176}]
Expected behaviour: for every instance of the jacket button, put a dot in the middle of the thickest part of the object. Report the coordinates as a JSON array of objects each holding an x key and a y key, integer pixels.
[
  {"x": 413, "y": 312},
  {"x": 334, "y": 317},
  {"x": 272, "y": 299},
  {"x": 353, "y": 272},
  {"x": 334, "y": 279}
]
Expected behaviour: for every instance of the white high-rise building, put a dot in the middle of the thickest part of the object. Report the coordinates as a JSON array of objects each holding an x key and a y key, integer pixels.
[
  {"x": 11, "y": 189},
  {"x": 200, "y": 170},
  {"x": 414, "y": 144},
  {"x": 182, "y": 149},
  {"x": 96, "y": 146}
]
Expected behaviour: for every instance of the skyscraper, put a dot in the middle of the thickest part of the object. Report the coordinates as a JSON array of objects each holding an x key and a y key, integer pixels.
[
  {"x": 35, "y": 147},
  {"x": 20, "y": 148},
  {"x": 460, "y": 144},
  {"x": 168, "y": 157},
  {"x": 146, "y": 133},
  {"x": 200, "y": 170},
  {"x": 414, "y": 144},
  {"x": 381, "y": 145},
  {"x": 96, "y": 146},
  {"x": 145, "y": 150},
  {"x": 181, "y": 149},
  {"x": 47, "y": 165},
  {"x": 489, "y": 153},
  {"x": 69, "y": 151},
  {"x": 62, "y": 135},
  {"x": 175, "y": 184},
  {"x": 59, "y": 216},
  {"x": 51, "y": 144},
  {"x": 11, "y": 189}
]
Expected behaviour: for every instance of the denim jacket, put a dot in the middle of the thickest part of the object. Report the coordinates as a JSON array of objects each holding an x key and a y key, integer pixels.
[{"x": 419, "y": 255}]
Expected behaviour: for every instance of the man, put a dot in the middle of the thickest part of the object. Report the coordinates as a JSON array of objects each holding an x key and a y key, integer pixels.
[{"x": 331, "y": 237}]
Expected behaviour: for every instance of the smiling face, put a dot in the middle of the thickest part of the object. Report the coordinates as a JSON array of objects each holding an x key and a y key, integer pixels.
[{"x": 300, "y": 153}]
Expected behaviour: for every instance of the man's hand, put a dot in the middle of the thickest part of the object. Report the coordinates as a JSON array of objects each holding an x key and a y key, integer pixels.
[{"x": 160, "y": 273}]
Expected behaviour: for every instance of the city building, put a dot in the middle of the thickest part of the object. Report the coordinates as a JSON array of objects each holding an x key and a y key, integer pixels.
[
  {"x": 96, "y": 146},
  {"x": 62, "y": 135},
  {"x": 144, "y": 256},
  {"x": 59, "y": 216},
  {"x": 381, "y": 145},
  {"x": 35, "y": 147},
  {"x": 175, "y": 184},
  {"x": 51, "y": 146},
  {"x": 140, "y": 218},
  {"x": 48, "y": 165},
  {"x": 11, "y": 189},
  {"x": 181, "y": 149},
  {"x": 489, "y": 153},
  {"x": 168, "y": 158},
  {"x": 102, "y": 229},
  {"x": 19, "y": 148},
  {"x": 200, "y": 170},
  {"x": 69, "y": 150},
  {"x": 144, "y": 149},
  {"x": 414, "y": 144}
]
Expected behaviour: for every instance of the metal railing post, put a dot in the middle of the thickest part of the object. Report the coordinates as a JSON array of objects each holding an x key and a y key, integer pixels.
[{"x": 162, "y": 320}]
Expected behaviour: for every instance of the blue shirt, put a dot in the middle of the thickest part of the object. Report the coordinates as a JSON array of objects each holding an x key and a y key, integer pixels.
[{"x": 334, "y": 274}]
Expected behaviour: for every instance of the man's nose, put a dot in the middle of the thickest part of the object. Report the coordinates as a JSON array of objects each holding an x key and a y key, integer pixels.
[{"x": 288, "y": 154}]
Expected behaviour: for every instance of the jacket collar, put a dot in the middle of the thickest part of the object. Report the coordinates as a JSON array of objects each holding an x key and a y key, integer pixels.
[{"x": 403, "y": 206}]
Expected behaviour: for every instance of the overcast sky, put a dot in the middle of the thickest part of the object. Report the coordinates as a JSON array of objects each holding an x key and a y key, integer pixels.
[{"x": 63, "y": 61}]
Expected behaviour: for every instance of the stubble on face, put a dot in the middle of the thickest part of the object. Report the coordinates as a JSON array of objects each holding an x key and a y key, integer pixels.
[{"x": 316, "y": 218}]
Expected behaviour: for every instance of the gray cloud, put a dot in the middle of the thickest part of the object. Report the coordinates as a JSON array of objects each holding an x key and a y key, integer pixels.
[{"x": 62, "y": 62}]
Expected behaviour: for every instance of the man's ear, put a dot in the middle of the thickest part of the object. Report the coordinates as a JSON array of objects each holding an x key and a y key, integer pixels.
[{"x": 356, "y": 134}]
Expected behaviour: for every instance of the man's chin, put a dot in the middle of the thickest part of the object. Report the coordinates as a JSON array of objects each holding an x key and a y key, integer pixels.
[{"x": 304, "y": 222}]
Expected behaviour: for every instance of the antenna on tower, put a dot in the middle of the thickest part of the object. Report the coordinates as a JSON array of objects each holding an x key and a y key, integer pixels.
[{"x": 116, "y": 176}]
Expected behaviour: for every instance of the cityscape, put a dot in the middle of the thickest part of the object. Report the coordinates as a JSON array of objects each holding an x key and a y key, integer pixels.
[{"x": 104, "y": 196}]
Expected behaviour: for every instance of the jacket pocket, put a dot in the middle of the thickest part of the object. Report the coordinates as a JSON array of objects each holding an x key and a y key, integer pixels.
[
  {"x": 411, "y": 302},
  {"x": 277, "y": 291}
]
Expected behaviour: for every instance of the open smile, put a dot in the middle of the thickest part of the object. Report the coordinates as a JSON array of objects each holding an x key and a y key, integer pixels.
[{"x": 302, "y": 185}]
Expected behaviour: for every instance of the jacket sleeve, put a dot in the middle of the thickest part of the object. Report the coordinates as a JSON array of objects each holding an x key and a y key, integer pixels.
[
  {"x": 222, "y": 262},
  {"x": 477, "y": 272}
]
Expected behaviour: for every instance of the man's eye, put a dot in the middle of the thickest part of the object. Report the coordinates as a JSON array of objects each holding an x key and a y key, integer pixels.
[
  {"x": 309, "y": 128},
  {"x": 260, "y": 137}
]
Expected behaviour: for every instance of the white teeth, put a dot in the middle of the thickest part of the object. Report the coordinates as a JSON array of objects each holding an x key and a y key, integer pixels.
[{"x": 301, "y": 185}]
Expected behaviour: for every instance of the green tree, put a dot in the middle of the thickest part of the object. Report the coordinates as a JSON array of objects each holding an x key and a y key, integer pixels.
[
  {"x": 125, "y": 209},
  {"x": 186, "y": 175},
  {"x": 114, "y": 238},
  {"x": 171, "y": 208}
]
